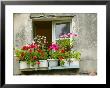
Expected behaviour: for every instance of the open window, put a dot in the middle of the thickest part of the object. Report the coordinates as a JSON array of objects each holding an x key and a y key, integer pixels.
[
  {"x": 52, "y": 27},
  {"x": 43, "y": 28}
]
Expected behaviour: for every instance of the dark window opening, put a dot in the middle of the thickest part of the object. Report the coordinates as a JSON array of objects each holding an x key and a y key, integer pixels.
[{"x": 43, "y": 28}]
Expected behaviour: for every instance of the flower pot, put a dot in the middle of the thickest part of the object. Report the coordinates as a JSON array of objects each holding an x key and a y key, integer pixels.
[
  {"x": 52, "y": 62},
  {"x": 32, "y": 66},
  {"x": 74, "y": 62},
  {"x": 36, "y": 66},
  {"x": 24, "y": 65},
  {"x": 66, "y": 63},
  {"x": 43, "y": 63}
]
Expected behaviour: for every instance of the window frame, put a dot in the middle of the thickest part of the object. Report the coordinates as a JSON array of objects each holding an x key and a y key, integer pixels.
[{"x": 60, "y": 21}]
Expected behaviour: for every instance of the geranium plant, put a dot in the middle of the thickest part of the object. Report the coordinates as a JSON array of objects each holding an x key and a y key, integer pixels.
[
  {"x": 67, "y": 41},
  {"x": 76, "y": 55},
  {"x": 27, "y": 53},
  {"x": 42, "y": 51},
  {"x": 38, "y": 52}
]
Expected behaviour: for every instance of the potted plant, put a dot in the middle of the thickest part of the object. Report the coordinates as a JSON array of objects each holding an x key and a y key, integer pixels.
[
  {"x": 32, "y": 55},
  {"x": 22, "y": 57},
  {"x": 75, "y": 58},
  {"x": 43, "y": 56},
  {"x": 66, "y": 42},
  {"x": 27, "y": 55},
  {"x": 33, "y": 60},
  {"x": 64, "y": 58},
  {"x": 53, "y": 55},
  {"x": 42, "y": 53}
]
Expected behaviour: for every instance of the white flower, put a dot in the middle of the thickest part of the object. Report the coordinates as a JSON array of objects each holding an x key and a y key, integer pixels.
[{"x": 33, "y": 41}]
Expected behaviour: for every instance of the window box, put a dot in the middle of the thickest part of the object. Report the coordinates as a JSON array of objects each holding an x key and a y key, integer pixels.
[
  {"x": 53, "y": 62},
  {"x": 24, "y": 65}
]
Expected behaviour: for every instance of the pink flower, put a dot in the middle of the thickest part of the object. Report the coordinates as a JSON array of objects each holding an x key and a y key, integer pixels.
[
  {"x": 68, "y": 34},
  {"x": 65, "y": 36},
  {"x": 54, "y": 47},
  {"x": 61, "y": 36},
  {"x": 74, "y": 35}
]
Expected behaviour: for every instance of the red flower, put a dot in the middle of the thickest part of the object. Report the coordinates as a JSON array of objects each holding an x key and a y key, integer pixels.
[
  {"x": 36, "y": 46},
  {"x": 62, "y": 51},
  {"x": 30, "y": 51},
  {"x": 37, "y": 62},
  {"x": 61, "y": 58},
  {"x": 22, "y": 54},
  {"x": 34, "y": 57},
  {"x": 29, "y": 47},
  {"x": 39, "y": 51},
  {"x": 25, "y": 48},
  {"x": 49, "y": 49},
  {"x": 32, "y": 46},
  {"x": 42, "y": 54}
]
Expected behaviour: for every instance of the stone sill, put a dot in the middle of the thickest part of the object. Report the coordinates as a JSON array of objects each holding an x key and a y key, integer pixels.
[{"x": 50, "y": 68}]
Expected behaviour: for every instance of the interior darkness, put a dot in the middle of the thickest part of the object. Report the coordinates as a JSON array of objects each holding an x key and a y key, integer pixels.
[{"x": 43, "y": 28}]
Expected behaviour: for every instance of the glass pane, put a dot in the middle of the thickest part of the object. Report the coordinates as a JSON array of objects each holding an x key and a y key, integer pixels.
[{"x": 62, "y": 28}]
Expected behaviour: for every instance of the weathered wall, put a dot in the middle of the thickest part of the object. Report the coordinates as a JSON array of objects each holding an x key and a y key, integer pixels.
[
  {"x": 86, "y": 27},
  {"x": 22, "y": 34},
  {"x": 84, "y": 24},
  {"x": 22, "y": 29}
]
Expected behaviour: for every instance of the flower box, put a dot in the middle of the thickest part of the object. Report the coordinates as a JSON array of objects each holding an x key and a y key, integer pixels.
[
  {"x": 52, "y": 62},
  {"x": 64, "y": 63},
  {"x": 37, "y": 53},
  {"x": 74, "y": 62},
  {"x": 36, "y": 66},
  {"x": 24, "y": 65},
  {"x": 43, "y": 63},
  {"x": 32, "y": 66}
]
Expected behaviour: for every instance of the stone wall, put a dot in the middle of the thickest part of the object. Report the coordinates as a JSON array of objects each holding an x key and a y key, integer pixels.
[
  {"x": 22, "y": 29},
  {"x": 22, "y": 34},
  {"x": 86, "y": 27},
  {"x": 84, "y": 24}
]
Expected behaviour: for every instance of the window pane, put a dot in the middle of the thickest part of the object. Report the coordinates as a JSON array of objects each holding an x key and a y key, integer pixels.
[{"x": 61, "y": 28}]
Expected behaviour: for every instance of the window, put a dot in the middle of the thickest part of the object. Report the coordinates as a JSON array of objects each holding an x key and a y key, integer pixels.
[
  {"x": 60, "y": 28},
  {"x": 52, "y": 29}
]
